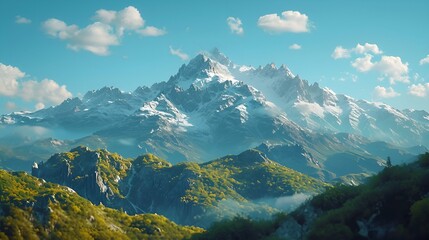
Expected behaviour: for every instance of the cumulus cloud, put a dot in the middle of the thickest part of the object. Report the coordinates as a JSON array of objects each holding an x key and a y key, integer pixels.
[
  {"x": 235, "y": 25},
  {"x": 340, "y": 52},
  {"x": 151, "y": 31},
  {"x": 95, "y": 38},
  {"x": 295, "y": 46},
  {"x": 43, "y": 92},
  {"x": 424, "y": 60},
  {"x": 128, "y": 18},
  {"x": 22, "y": 20},
  {"x": 107, "y": 30},
  {"x": 179, "y": 53},
  {"x": 382, "y": 92},
  {"x": 393, "y": 68},
  {"x": 367, "y": 48},
  {"x": 9, "y": 76},
  {"x": 106, "y": 16},
  {"x": 363, "y": 64},
  {"x": 419, "y": 90},
  {"x": 390, "y": 67},
  {"x": 288, "y": 21}
]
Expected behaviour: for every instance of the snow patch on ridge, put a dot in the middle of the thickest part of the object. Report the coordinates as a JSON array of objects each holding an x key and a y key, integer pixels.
[
  {"x": 308, "y": 109},
  {"x": 166, "y": 111}
]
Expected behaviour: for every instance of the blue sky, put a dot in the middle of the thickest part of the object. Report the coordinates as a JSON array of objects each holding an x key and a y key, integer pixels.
[{"x": 51, "y": 50}]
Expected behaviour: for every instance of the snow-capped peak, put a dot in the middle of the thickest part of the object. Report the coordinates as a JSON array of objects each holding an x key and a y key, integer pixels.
[
  {"x": 201, "y": 70},
  {"x": 216, "y": 55},
  {"x": 104, "y": 94}
]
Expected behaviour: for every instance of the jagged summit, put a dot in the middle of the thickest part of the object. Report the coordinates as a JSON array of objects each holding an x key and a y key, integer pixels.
[
  {"x": 201, "y": 70},
  {"x": 218, "y": 56},
  {"x": 103, "y": 94}
]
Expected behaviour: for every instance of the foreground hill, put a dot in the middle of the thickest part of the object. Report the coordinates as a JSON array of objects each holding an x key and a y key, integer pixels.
[
  {"x": 392, "y": 205},
  {"x": 188, "y": 193},
  {"x": 31, "y": 208}
]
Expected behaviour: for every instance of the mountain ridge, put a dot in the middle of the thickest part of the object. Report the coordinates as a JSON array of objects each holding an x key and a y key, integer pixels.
[
  {"x": 213, "y": 107},
  {"x": 186, "y": 192}
]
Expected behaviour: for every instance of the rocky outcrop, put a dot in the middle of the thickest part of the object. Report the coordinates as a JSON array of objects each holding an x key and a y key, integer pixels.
[
  {"x": 92, "y": 174},
  {"x": 297, "y": 225}
]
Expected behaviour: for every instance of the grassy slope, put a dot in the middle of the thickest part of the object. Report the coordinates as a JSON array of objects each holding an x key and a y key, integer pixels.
[
  {"x": 31, "y": 209},
  {"x": 238, "y": 177}
]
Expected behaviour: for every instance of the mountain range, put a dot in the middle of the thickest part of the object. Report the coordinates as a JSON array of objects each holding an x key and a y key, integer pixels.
[{"x": 213, "y": 107}]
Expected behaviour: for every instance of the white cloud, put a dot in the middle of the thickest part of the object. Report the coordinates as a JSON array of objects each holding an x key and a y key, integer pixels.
[
  {"x": 128, "y": 18},
  {"x": 54, "y": 27},
  {"x": 363, "y": 64},
  {"x": 393, "y": 68},
  {"x": 179, "y": 53},
  {"x": 389, "y": 66},
  {"x": 44, "y": 92},
  {"x": 340, "y": 52},
  {"x": 367, "y": 48},
  {"x": 295, "y": 46},
  {"x": 151, "y": 31},
  {"x": 382, "y": 92},
  {"x": 419, "y": 90},
  {"x": 424, "y": 60},
  {"x": 99, "y": 36},
  {"x": 288, "y": 21},
  {"x": 39, "y": 106},
  {"x": 106, "y": 16},
  {"x": 9, "y": 76},
  {"x": 95, "y": 38},
  {"x": 22, "y": 20},
  {"x": 235, "y": 25}
]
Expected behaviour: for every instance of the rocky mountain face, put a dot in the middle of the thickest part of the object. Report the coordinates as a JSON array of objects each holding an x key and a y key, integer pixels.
[
  {"x": 187, "y": 193},
  {"x": 94, "y": 173},
  {"x": 31, "y": 208},
  {"x": 213, "y": 107}
]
